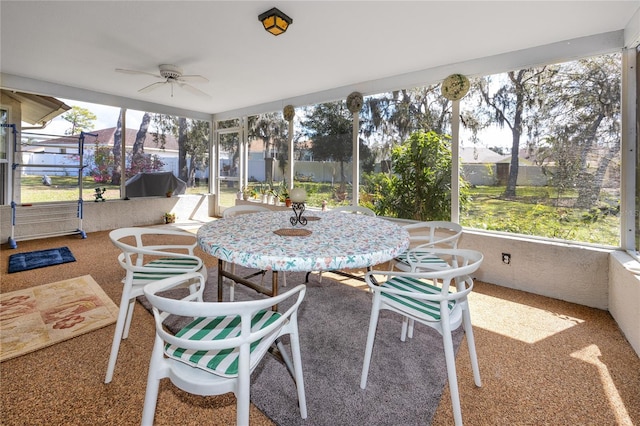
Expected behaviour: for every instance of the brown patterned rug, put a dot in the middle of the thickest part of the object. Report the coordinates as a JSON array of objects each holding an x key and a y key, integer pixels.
[{"x": 41, "y": 316}]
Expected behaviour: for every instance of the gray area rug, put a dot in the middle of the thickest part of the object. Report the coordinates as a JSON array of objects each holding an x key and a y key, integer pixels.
[{"x": 405, "y": 379}]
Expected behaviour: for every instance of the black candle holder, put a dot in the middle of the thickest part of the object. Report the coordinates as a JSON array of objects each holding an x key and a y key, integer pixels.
[{"x": 298, "y": 209}]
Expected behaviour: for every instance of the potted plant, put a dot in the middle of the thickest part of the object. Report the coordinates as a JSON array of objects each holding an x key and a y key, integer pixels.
[
  {"x": 247, "y": 194},
  {"x": 271, "y": 196},
  {"x": 284, "y": 196},
  {"x": 263, "y": 194},
  {"x": 169, "y": 218}
]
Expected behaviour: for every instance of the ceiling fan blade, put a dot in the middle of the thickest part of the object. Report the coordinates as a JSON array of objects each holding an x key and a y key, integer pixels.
[
  {"x": 152, "y": 86},
  {"x": 193, "y": 90},
  {"x": 124, "y": 71},
  {"x": 194, "y": 78}
]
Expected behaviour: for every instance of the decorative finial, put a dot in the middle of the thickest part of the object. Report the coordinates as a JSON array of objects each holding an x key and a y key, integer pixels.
[
  {"x": 289, "y": 112},
  {"x": 455, "y": 87},
  {"x": 354, "y": 102}
]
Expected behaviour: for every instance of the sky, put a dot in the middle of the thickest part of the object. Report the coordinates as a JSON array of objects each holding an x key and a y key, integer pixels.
[{"x": 108, "y": 117}]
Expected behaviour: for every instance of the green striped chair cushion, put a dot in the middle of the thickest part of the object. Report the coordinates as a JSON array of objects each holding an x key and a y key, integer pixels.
[
  {"x": 168, "y": 262},
  {"x": 417, "y": 307},
  {"x": 432, "y": 261},
  {"x": 221, "y": 362}
]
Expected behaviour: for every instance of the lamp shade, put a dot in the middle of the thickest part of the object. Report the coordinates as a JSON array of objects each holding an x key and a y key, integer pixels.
[
  {"x": 274, "y": 21},
  {"x": 298, "y": 195}
]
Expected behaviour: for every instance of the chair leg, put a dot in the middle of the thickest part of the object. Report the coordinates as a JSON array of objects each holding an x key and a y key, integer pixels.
[
  {"x": 403, "y": 333},
  {"x": 471, "y": 343},
  {"x": 373, "y": 324},
  {"x": 232, "y": 284},
  {"x": 117, "y": 335},
  {"x": 243, "y": 389},
  {"x": 150, "y": 401},
  {"x": 452, "y": 377},
  {"x": 153, "y": 384},
  {"x": 412, "y": 324},
  {"x": 127, "y": 324},
  {"x": 297, "y": 367}
]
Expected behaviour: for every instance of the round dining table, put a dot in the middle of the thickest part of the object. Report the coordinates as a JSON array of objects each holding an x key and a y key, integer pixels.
[{"x": 330, "y": 241}]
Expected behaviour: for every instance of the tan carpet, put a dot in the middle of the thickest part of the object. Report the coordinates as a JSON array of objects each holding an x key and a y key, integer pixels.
[
  {"x": 543, "y": 361},
  {"x": 41, "y": 316}
]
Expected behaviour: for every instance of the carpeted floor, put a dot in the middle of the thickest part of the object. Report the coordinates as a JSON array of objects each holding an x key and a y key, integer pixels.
[
  {"x": 543, "y": 361},
  {"x": 332, "y": 356}
]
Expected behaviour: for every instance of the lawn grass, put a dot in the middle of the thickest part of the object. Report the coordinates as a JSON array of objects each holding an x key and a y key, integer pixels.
[{"x": 534, "y": 212}]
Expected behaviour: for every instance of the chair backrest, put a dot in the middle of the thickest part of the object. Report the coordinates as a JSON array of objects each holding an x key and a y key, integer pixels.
[
  {"x": 354, "y": 209},
  {"x": 249, "y": 327},
  {"x": 435, "y": 233},
  {"x": 464, "y": 263},
  {"x": 243, "y": 209},
  {"x": 135, "y": 243}
]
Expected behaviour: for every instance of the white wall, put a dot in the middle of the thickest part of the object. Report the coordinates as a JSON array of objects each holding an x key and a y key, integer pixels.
[
  {"x": 624, "y": 295},
  {"x": 567, "y": 272},
  {"x": 112, "y": 214}
]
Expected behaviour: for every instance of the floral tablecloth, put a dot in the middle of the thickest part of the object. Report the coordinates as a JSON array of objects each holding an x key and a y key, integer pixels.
[{"x": 337, "y": 241}]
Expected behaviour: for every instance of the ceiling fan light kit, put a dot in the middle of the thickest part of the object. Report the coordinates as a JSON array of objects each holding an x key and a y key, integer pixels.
[
  {"x": 171, "y": 74},
  {"x": 170, "y": 71},
  {"x": 274, "y": 21}
]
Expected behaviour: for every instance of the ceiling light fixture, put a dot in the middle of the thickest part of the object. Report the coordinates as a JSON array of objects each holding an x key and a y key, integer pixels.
[{"x": 275, "y": 21}]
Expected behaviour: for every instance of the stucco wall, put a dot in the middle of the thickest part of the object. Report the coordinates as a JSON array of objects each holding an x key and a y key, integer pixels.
[
  {"x": 624, "y": 295},
  {"x": 562, "y": 271}
]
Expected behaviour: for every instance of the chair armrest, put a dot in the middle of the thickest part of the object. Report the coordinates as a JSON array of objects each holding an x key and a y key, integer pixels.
[{"x": 463, "y": 285}]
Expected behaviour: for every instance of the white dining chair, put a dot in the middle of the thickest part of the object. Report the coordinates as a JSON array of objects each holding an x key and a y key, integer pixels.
[
  {"x": 243, "y": 209},
  {"x": 223, "y": 342},
  {"x": 425, "y": 235},
  {"x": 354, "y": 209},
  {"x": 237, "y": 210},
  {"x": 148, "y": 255},
  {"x": 437, "y": 299}
]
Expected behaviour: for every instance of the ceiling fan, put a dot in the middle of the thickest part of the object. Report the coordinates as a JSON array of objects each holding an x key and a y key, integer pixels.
[{"x": 171, "y": 75}]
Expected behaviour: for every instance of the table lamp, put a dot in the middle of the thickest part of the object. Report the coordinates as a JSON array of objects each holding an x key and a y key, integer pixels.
[{"x": 298, "y": 197}]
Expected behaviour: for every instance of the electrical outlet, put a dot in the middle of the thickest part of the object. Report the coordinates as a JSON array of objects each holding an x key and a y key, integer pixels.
[{"x": 506, "y": 258}]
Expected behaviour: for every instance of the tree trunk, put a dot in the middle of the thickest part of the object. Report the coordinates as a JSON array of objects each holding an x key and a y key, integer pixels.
[
  {"x": 138, "y": 145},
  {"x": 591, "y": 184},
  {"x": 510, "y": 191},
  {"x": 516, "y": 132},
  {"x": 116, "y": 175},
  {"x": 183, "y": 172}
]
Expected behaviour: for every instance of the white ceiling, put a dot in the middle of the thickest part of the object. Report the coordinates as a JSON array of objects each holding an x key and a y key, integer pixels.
[{"x": 330, "y": 44}]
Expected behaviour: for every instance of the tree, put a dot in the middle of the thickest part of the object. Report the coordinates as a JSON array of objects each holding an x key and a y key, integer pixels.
[
  {"x": 561, "y": 161},
  {"x": 329, "y": 126},
  {"x": 583, "y": 111},
  {"x": 510, "y": 102},
  {"x": 81, "y": 120},
  {"x": 392, "y": 117},
  {"x": 116, "y": 176},
  {"x": 193, "y": 143},
  {"x": 420, "y": 186},
  {"x": 272, "y": 128}
]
